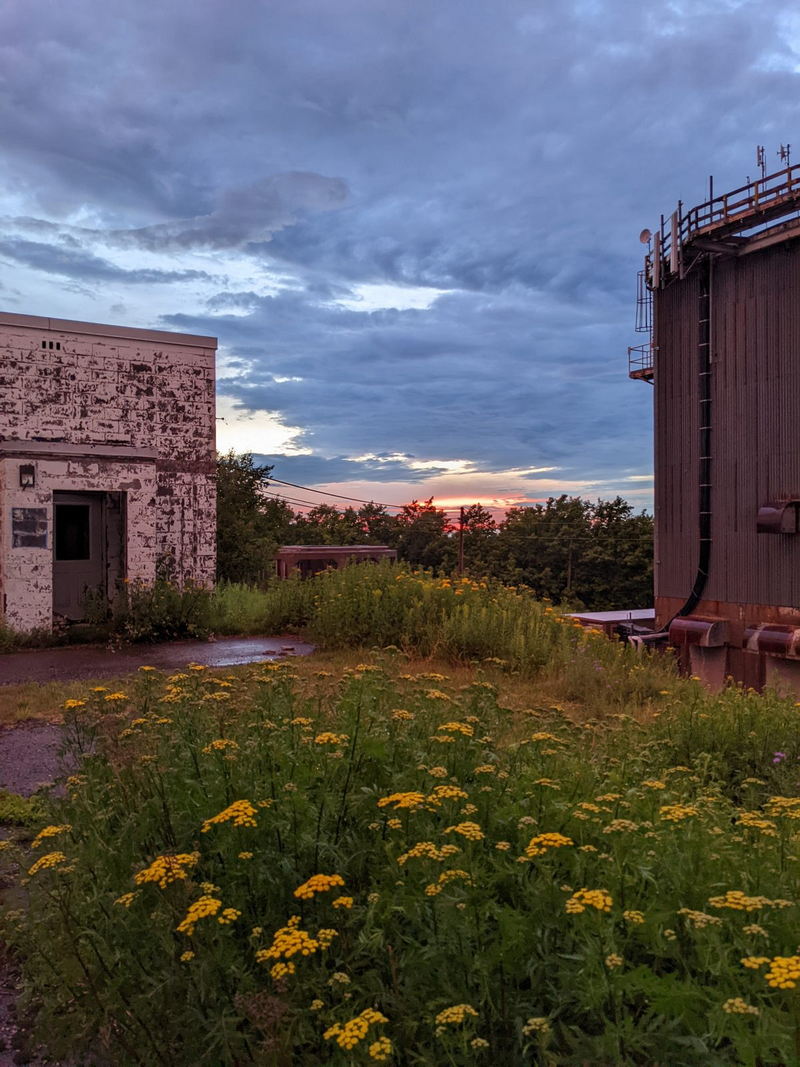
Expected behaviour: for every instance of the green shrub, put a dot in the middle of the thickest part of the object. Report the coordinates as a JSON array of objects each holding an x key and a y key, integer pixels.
[
  {"x": 162, "y": 611},
  {"x": 16, "y": 810}
]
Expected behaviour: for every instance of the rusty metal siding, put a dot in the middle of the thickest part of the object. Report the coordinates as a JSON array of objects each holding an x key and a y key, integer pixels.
[{"x": 755, "y": 317}]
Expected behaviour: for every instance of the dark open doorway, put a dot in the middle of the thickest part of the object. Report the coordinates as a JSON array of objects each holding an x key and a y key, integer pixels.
[{"x": 88, "y": 557}]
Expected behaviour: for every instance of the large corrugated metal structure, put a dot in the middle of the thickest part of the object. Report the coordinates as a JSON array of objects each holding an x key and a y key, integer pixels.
[{"x": 724, "y": 358}]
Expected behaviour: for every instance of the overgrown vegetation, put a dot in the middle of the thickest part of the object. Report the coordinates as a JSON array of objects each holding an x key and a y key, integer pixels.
[
  {"x": 16, "y": 810},
  {"x": 391, "y": 864},
  {"x": 595, "y": 555}
]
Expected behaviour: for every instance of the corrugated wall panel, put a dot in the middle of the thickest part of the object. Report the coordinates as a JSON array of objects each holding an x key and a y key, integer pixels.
[
  {"x": 676, "y": 456},
  {"x": 755, "y": 341}
]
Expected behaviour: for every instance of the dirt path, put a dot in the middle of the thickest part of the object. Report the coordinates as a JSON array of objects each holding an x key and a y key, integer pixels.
[{"x": 74, "y": 664}]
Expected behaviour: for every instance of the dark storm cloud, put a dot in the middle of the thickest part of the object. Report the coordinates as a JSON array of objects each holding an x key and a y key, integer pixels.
[
  {"x": 315, "y": 470},
  {"x": 244, "y": 215},
  {"x": 510, "y": 153},
  {"x": 72, "y": 263},
  {"x": 453, "y": 381}
]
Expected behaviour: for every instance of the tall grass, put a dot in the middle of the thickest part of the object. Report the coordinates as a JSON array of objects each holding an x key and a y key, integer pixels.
[
  {"x": 461, "y": 620},
  {"x": 485, "y": 886}
]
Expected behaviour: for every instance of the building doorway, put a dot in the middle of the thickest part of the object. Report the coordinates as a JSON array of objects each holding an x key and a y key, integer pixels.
[{"x": 87, "y": 551}]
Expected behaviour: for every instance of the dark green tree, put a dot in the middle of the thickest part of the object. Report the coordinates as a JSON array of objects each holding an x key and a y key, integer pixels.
[
  {"x": 249, "y": 524},
  {"x": 423, "y": 531}
]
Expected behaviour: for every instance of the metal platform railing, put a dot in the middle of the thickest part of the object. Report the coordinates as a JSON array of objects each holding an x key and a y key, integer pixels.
[
  {"x": 754, "y": 204},
  {"x": 641, "y": 361}
]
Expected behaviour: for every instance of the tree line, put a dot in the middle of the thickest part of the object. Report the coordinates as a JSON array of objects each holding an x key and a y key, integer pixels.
[{"x": 593, "y": 555}]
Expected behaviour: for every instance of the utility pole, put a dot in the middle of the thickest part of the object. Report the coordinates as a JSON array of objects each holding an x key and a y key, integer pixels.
[{"x": 461, "y": 544}]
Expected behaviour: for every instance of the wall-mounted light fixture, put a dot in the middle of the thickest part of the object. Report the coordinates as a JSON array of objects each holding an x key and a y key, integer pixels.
[{"x": 27, "y": 476}]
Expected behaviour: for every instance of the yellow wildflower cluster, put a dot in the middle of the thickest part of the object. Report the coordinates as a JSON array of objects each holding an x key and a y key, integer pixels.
[
  {"x": 654, "y": 783},
  {"x": 50, "y": 859},
  {"x": 187, "y": 956},
  {"x": 600, "y": 899},
  {"x": 537, "y": 1025},
  {"x": 438, "y": 772},
  {"x": 754, "y": 930},
  {"x": 437, "y": 694},
  {"x": 201, "y": 908},
  {"x": 68, "y": 705},
  {"x": 699, "y": 919},
  {"x": 126, "y": 899},
  {"x": 613, "y": 961},
  {"x": 737, "y": 1006},
  {"x": 736, "y": 900},
  {"x": 754, "y": 821},
  {"x": 428, "y": 850},
  {"x": 456, "y": 1014},
  {"x": 470, "y": 830},
  {"x": 784, "y": 972},
  {"x": 347, "y": 1036},
  {"x": 380, "y": 1050},
  {"x": 240, "y": 813},
  {"x": 343, "y": 902},
  {"x": 166, "y": 869},
  {"x": 457, "y": 728},
  {"x": 401, "y": 715},
  {"x": 635, "y": 918},
  {"x": 548, "y": 783},
  {"x": 290, "y": 941},
  {"x": 114, "y": 698},
  {"x": 435, "y": 888},
  {"x": 546, "y": 737},
  {"x": 446, "y": 792},
  {"x": 753, "y": 963},
  {"x": 537, "y": 846},
  {"x": 220, "y": 745},
  {"x": 677, "y": 812},
  {"x": 327, "y": 738},
  {"x": 485, "y": 768},
  {"x": 50, "y": 831},
  {"x": 789, "y": 807},
  {"x": 620, "y": 826},
  {"x": 402, "y": 800},
  {"x": 318, "y": 883}
]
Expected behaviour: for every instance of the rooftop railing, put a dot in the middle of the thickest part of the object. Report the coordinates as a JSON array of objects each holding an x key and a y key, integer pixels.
[{"x": 752, "y": 205}]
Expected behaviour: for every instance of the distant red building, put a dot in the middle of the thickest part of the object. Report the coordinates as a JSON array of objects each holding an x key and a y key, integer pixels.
[{"x": 308, "y": 560}]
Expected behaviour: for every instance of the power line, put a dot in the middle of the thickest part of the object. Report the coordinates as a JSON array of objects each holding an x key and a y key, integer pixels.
[{"x": 338, "y": 496}]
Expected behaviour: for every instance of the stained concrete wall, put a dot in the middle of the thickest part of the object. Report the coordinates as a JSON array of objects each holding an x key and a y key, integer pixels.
[{"x": 98, "y": 408}]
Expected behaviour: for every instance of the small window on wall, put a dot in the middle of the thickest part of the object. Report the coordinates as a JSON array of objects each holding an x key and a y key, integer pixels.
[
  {"x": 52, "y": 344},
  {"x": 73, "y": 539}
]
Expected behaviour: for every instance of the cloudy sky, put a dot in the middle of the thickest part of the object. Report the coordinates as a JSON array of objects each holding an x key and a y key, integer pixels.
[{"x": 413, "y": 226}]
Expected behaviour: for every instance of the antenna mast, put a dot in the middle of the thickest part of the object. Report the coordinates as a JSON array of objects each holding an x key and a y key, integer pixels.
[{"x": 761, "y": 160}]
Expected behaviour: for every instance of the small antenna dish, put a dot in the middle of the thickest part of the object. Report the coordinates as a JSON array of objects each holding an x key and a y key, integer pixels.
[{"x": 645, "y": 236}]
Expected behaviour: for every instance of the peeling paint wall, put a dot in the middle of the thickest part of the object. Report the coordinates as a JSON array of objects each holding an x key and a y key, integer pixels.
[{"x": 96, "y": 409}]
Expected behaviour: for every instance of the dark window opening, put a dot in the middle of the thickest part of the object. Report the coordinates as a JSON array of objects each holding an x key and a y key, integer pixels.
[
  {"x": 44, "y": 344},
  {"x": 73, "y": 539}
]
